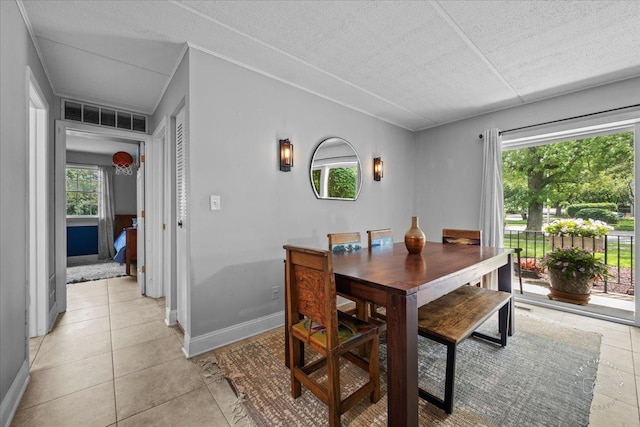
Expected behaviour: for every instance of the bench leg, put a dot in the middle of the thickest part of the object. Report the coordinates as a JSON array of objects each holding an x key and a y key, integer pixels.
[
  {"x": 449, "y": 378},
  {"x": 449, "y": 387}
]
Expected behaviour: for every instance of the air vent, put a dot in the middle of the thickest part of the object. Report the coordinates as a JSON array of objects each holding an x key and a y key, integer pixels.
[{"x": 103, "y": 116}]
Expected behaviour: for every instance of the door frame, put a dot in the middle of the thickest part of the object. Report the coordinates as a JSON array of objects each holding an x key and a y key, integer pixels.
[
  {"x": 40, "y": 317},
  {"x": 60, "y": 197}
]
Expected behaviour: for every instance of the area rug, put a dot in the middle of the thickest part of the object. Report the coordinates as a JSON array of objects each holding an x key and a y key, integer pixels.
[
  {"x": 543, "y": 377},
  {"x": 97, "y": 270}
]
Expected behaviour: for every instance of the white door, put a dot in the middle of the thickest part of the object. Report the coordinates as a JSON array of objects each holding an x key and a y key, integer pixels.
[
  {"x": 140, "y": 262},
  {"x": 182, "y": 272}
]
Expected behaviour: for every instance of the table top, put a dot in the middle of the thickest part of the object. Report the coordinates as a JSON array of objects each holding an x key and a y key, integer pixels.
[{"x": 394, "y": 270}]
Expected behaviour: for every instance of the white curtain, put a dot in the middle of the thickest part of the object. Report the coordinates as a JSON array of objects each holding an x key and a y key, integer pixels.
[
  {"x": 492, "y": 200},
  {"x": 105, "y": 214}
]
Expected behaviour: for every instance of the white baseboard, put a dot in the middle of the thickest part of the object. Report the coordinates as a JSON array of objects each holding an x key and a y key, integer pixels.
[
  {"x": 203, "y": 343},
  {"x": 171, "y": 317},
  {"x": 10, "y": 403}
]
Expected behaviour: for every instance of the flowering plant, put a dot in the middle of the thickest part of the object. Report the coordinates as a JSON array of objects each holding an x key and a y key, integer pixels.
[
  {"x": 531, "y": 265},
  {"x": 577, "y": 227},
  {"x": 575, "y": 262}
]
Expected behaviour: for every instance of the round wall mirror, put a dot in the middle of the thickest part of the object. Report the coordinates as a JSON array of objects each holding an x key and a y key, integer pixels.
[{"x": 335, "y": 170}]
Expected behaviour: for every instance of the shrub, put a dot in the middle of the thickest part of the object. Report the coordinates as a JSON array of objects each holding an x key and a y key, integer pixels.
[
  {"x": 573, "y": 209},
  {"x": 577, "y": 227},
  {"x": 599, "y": 214}
]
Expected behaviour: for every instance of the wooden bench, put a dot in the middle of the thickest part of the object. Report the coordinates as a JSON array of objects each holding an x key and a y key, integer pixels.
[{"x": 451, "y": 319}]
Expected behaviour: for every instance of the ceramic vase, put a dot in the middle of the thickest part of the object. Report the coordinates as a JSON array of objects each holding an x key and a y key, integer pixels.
[{"x": 414, "y": 238}]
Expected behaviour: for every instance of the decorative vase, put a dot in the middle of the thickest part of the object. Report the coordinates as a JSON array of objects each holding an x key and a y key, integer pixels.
[
  {"x": 414, "y": 237},
  {"x": 572, "y": 289}
]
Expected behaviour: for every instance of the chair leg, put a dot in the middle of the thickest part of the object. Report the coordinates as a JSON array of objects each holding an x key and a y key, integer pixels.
[
  {"x": 518, "y": 250},
  {"x": 374, "y": 369},
  {"x": 450, "y": 378},
  {"x": 295, "y": 361},
  {"x": 333, "y": 389}
]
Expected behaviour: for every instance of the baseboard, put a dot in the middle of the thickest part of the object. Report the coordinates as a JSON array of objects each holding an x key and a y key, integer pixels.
[
  {"x": 203, "y": 343},
  {"x": 171, "y": 317},
  {"x": 10, "y": 403},
  {"x": 81, "y": 259}
]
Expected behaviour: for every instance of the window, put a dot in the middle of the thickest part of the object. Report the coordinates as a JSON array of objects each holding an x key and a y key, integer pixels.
[{"x": 83, "y": 186}]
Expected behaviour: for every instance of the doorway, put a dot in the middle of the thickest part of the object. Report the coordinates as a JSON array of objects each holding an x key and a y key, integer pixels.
[
  {"x": 575, "y": 192},
  {"x": 63, "y": 130}
]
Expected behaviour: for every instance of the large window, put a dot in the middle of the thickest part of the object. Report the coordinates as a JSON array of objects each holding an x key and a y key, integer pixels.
[{"x": 83, "y": 186}]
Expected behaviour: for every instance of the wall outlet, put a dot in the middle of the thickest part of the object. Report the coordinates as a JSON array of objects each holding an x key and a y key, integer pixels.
[{"x": 276, "y": 291}]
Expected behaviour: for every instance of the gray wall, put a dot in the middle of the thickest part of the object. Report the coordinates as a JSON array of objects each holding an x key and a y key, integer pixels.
[
  {"x": 235, "y": 120},
  {"x": 174, "y": 98},
  {"x": 449, "y": 176},
  {"x": 16, "y": 52}
]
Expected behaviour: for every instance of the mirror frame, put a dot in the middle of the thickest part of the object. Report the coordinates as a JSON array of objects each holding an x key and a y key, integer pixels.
[{"x": 335, "y": 139}]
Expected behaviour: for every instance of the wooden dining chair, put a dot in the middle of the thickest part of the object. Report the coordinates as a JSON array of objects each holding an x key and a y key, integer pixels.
[
  {"x": 314, "y": 321},
  {"x": 346, "y": 243},
  {"x": 463, "y": 237},
  {"x": 379, "y": 238}
]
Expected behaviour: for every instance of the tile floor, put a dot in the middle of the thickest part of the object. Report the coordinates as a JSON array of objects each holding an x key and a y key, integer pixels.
[{"x": 111, "y": 361}]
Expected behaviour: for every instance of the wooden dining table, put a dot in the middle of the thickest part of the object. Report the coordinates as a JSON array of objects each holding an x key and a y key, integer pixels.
[{"x": 391, "y": 277}]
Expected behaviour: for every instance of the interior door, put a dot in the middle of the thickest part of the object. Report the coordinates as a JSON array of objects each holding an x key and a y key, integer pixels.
[
  {"x": 182, "y": 273},
  {"x": 140, "y": 205}
]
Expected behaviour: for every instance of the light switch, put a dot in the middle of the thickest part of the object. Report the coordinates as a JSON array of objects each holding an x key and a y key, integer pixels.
[{"x": 214, "y": 202}]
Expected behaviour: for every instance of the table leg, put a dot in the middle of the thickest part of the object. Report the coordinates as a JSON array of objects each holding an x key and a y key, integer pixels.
[
  {"x": 505, "y": 279},
  {"x": 402, "y": 360}
]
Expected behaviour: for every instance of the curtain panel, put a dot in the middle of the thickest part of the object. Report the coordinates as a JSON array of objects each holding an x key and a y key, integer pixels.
[
  {"x": 106, "y": 214},
  {"x": 492, "y": 198}
]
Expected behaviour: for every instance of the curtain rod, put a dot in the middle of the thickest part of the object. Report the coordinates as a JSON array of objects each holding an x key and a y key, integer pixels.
[{"x": 568, "y": 118}]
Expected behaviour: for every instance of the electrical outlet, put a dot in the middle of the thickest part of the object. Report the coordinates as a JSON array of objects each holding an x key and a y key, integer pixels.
[{"x": 276, "y": 291}]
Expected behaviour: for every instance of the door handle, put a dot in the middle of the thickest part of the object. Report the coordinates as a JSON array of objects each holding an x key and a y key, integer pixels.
[{"x": 180, "y": 224}]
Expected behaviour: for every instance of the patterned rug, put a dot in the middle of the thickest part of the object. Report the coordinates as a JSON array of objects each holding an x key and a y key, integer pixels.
[
  {"x": 538, "y": 379},
  {"x": 96, "y": 270}
]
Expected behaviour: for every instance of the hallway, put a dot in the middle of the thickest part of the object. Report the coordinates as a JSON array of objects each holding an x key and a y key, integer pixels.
[{"x": 111, "y": 359}]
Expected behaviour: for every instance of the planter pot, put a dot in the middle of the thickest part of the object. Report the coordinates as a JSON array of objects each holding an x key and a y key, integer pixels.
[
  {"x": 575, "y": 290},
  {"x": 591, "y": 244}
]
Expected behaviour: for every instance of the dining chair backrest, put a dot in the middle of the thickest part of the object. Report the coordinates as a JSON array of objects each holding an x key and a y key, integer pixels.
[
  {"x": 311, "y": 288},
  {"x": 381, "y": 237},
  {"x": 462, "y": 237},
  {"x": 344, "y": 242}
]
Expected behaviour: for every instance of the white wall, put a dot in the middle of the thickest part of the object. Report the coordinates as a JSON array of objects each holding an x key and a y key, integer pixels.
[
  {"x": 16, "y": 53},
  {"x": 236, "y": 118},
  {"x": 449, "y": 157}
]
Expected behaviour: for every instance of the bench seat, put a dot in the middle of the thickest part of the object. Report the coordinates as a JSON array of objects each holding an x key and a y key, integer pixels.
[{"x": 454, "y": 317}]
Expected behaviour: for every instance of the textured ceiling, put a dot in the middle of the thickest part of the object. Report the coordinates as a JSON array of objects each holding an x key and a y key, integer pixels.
[{"x": 414, "y": 64}]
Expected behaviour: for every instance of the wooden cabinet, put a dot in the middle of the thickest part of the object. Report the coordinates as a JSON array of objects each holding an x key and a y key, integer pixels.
[{"x": 131, "y": 253}]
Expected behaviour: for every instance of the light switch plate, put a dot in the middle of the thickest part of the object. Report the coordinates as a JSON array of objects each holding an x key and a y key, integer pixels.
[{"x": 214, "y": 202}]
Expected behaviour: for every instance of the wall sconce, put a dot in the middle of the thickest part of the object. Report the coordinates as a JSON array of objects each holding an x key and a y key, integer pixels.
[
  {"x": 377, "y": 169},
  {"x": 286, "y": 155}
]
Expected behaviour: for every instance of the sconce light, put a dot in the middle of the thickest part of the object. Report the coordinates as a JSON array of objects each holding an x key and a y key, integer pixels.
[
  {"x": 377, "y": 169},
  {"x": 286, "y": 155}
]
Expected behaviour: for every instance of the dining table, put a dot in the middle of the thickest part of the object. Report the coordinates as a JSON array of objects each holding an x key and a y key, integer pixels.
[{"x": 389, "y": 276}]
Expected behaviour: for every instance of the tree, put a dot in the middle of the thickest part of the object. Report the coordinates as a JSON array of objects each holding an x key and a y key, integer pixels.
[{"x": 588, "y": 170}]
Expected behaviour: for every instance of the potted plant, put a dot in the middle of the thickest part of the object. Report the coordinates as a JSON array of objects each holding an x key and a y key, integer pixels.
[
  {"x": 572, "y": 272},
  {"x": 587, "y": 234}
]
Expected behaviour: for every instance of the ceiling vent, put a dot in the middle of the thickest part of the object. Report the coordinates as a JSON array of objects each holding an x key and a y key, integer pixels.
[{"x": 103, "y": 116}]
